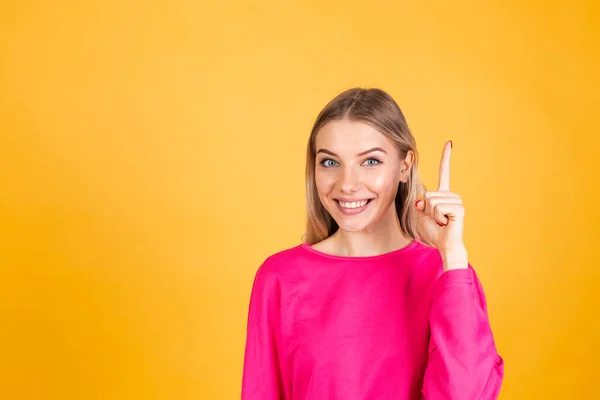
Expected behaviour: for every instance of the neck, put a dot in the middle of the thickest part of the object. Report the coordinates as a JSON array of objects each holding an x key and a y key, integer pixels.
[{"x": 384, "y": 237}]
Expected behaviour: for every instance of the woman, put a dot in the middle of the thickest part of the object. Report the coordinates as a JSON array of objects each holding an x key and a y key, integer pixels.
[{"x": 379, "y": 301}]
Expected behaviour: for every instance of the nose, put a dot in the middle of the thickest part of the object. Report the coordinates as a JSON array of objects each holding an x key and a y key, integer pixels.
[{"x": 349, "y": 180}]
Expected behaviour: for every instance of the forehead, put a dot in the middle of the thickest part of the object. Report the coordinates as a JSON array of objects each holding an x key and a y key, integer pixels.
[{"x": 352, "y": 136}]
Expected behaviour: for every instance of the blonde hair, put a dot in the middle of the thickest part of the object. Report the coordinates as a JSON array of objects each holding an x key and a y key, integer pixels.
[{"x": 377, "y": 108}]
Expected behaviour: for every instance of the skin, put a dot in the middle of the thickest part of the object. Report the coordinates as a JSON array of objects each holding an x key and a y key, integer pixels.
[{"x": 347, "y": 168}]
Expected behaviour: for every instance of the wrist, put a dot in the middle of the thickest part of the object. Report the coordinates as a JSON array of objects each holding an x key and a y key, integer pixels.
[{"x": 455, "y": 259}]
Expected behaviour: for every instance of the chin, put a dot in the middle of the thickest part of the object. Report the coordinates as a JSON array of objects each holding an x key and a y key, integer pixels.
[{"x": 353, "y": 227}]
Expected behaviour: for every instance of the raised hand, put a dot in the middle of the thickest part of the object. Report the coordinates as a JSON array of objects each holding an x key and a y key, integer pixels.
[{"x": 442, "y": 215}]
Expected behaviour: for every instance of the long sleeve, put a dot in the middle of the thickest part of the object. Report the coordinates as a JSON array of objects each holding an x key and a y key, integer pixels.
[
  {"x": 262, "y": 378},
  {"x": 463, "y": 361}
]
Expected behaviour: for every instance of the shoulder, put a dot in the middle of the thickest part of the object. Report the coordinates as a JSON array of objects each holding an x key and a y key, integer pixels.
[
  {"x": 280, "y": 263},
  {"x": 427, "y": 259}
]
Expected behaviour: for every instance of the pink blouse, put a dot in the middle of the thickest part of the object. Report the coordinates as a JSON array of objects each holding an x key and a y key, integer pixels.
[{"x": 391, "y": 326}]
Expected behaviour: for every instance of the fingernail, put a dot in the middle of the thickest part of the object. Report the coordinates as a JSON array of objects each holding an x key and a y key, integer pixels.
[{"x": 451, "y": 145}]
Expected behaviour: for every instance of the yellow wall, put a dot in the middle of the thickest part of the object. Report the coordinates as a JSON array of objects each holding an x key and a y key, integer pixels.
[{"x": 151, "y": 156}]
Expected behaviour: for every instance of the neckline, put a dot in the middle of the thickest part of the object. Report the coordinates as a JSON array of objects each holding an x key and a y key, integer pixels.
[{"x": 404, "y": 249}]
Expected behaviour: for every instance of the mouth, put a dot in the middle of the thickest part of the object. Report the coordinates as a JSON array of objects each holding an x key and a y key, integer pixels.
[{"x": 353, "y": 207}]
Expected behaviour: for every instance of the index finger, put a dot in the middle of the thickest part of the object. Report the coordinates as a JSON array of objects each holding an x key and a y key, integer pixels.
[{"x": 445, "y": 168}]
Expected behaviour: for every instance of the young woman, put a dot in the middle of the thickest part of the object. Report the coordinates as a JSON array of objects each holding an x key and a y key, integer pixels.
[{"x": 379, "y": 301}]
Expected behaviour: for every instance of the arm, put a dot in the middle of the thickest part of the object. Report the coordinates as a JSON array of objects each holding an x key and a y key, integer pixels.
[
  {"x": 463, "y": 361},
  {"x": 261, "y": 373}
]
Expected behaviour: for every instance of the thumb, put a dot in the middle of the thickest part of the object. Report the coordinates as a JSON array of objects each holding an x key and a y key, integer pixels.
[{"x": 420, "y": 205}]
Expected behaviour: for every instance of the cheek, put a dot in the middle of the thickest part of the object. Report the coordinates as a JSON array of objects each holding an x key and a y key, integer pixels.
[
  {"x": 324, "y": 182},
  {"x": 383, "y": 182}
]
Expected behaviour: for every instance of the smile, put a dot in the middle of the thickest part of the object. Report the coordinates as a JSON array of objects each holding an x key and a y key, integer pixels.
[{"x": 352, "y": 207}]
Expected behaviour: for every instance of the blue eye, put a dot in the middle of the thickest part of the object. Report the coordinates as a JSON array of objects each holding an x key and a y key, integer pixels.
[
  {"x": 372, "y": 161},
  {"x": 328, "y": 162}
]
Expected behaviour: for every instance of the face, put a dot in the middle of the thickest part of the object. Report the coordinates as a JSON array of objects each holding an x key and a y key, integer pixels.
[{"x": 357, "y": 174}]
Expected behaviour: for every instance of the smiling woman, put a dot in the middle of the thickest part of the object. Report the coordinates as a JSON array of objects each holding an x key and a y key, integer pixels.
[
  {"x": 350, "y": 180},
  {"x": 380, "y": 301},
  {"x": 366, "y": 134}
]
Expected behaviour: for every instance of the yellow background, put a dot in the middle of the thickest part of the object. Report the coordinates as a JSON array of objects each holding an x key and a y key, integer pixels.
[{"x": 152, "y": 155}]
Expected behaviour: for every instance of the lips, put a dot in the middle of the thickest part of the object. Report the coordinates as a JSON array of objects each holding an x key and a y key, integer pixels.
[{"x": 352, "y": 207}]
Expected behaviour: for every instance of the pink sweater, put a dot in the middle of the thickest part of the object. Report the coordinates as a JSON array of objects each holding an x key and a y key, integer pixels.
[{"x": 393, "y": 327}]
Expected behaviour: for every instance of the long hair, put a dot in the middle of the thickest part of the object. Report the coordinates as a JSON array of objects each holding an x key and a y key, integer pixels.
[{"x": 377, "y": 108}]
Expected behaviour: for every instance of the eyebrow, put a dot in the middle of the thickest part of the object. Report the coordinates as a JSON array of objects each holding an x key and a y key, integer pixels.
[{"x": 359, "y": 154}]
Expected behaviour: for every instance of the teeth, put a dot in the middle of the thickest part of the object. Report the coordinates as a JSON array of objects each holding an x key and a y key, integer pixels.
[{"x": 354, "y": 204}]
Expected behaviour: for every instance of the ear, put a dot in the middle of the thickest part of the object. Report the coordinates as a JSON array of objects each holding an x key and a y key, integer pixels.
[{"x": 406, "y": 165}]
